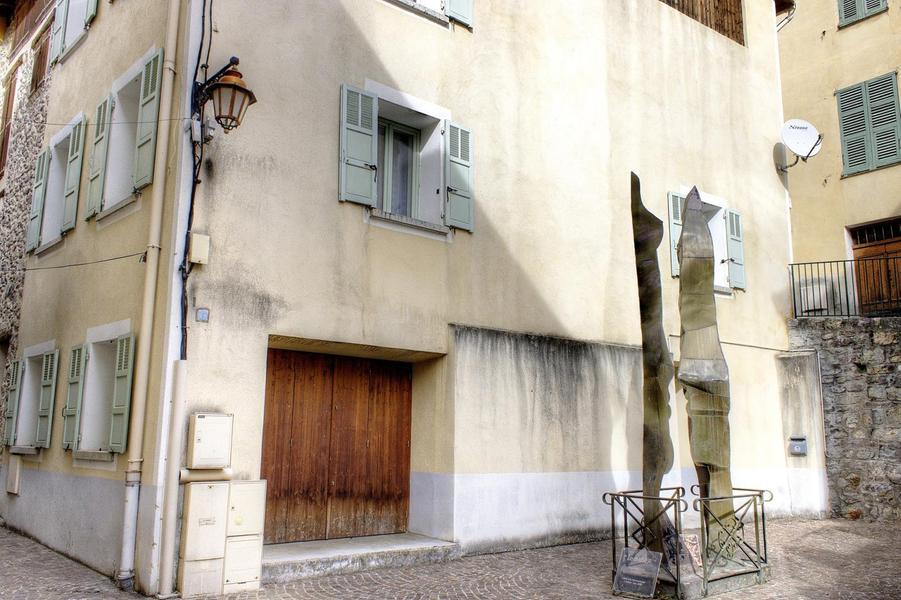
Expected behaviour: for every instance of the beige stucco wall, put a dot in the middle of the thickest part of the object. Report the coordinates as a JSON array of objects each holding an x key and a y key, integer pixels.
[{"x": 818, "y": 59}]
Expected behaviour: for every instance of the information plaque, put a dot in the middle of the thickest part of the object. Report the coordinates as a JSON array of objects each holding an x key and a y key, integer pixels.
[{"x": 636, "y": 573}]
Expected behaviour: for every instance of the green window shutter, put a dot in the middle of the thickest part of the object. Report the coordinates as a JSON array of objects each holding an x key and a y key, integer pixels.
[
  {"x": 852, "y": 117},
  {"x": 884, "y": 118},
  {"x": 871, "y": 7},
  {"x": 90, "y": 12},
  {"x": 14, "y": 378},
  {"x": 99, "y": 152},
  {"x": 148, "y": 112},
  {"x": 359, "y": 146},
  {"x": 458, "y": 162},
  {"x": 73, "y": 176},
  {"x": 46, "y": 400},
  {"x": 125, "y": 353},
  {"x": 460, "y": 10},
  {"x": 675, "y": 202},
  {"x": 78, "y": 362},
  {"x": 735, "y": 247},
  {"x": 38, "y": 193},
  {"x": 58, "y": 29}
]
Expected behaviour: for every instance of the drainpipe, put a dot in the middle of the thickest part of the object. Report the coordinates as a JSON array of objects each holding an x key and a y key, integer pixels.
[
  {"x": 126, "y": 574},
  {"x": 170, "y": 502}
]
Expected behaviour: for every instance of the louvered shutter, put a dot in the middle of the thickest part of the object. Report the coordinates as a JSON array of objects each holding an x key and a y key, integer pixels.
[
  {"x": 121, "y": 404},
  {"x": 46, "y": 400},
  {"x": 885, "y": 120},
  {"x": 73, "y": 176},
  {"x": 359, "y": 146},
  {"x": 148, "y": 112},
  {"x": 871, "y": 7},
  {"x": 735, "y": 248},
  {"x": 460, "y": 10},
  {"x": 14, "y": 378},
  {"x": 58, "y": 29},
  {"x": 458, "y": 161},
  {"x": 675, "y": 202},
  {"x": 78, "y": 361},
  {"x": 99, "y": 152},
  {"x": 90, "y": 12},
  {"x": 852, "y": 116},
  {"x": 38, "y": 194}
]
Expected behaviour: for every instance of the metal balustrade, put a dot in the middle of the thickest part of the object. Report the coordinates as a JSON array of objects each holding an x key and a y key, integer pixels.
[{"x": 864, "y": 287}]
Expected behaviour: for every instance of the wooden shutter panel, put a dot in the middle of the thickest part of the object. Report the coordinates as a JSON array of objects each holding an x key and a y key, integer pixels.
[
  {"x": 58, "y": 29},
  {"x": 38, "y": 194},
  {"x": 73, "y": 176},
  {"x": 46, "y": 400},
  {"x": 736, "y": 249},
  {"x": 458, "y": 161},
  {"x": 148, "y": 112},
  {"x": 359, "y": 146},
  {"x": 460, "y": 10},
  {"x": 78, "y": 361},
  {"x": 885, "y": 120},
  {"x": 14, "y": 378},
  {"x": 90, "y": 12},
  {"x": 676, "y": 204},
  {"x": 99, "y": 152},
  {"x": 853, "y": 129},
  {"x": 871, "y": 7},
  {"x": 121, "y": 404}
]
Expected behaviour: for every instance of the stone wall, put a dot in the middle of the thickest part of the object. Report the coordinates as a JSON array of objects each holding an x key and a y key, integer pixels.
[{"x": 860, "y": 361}]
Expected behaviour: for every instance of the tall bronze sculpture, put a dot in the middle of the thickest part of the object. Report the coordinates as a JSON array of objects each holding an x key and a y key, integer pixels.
[
  {"x": 657, "y": 447},
  {"x": 703, "y": 371}
]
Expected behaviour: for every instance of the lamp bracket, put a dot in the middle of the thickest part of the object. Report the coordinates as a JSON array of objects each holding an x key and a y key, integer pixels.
[{"x": 200, "y": 94}]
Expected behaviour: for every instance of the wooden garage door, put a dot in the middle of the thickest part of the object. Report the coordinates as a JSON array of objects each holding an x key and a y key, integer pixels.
[{"x": 336, "y": 446}]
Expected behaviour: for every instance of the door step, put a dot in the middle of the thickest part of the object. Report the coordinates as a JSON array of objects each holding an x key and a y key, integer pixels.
[{"x": 300, "y": 560}]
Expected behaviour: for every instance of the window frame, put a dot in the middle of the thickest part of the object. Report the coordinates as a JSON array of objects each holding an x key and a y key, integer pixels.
[
  {"x": 63, "y": 136},
  {"x": 862, "y": 15},
  {"x": 41, "y": 49},
  {"x": 9, "y": 107},
  {"x": 31, "y": 356},
  {"x": 870, "y": 133},
  {"x": 387, "y": 170}
]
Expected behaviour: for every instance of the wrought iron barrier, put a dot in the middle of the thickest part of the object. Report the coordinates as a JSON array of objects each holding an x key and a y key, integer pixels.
[{"x": 869, "y": 287}]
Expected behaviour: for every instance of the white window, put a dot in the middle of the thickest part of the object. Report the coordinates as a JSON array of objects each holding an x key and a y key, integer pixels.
[
  {"x": 30, "y": 398},
  {"x": 70, "y": 23},
  {"x": 123, "y": 133}
]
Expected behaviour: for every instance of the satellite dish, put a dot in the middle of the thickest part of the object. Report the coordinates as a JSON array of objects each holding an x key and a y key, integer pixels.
[{"x": 802, "y": 138}]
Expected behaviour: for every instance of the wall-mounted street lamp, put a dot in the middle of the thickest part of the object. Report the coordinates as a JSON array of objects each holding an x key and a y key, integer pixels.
[{"x": 230, "y": 95}]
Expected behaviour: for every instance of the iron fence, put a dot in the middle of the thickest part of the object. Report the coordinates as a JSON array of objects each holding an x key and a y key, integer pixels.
[{"x": 868, "y": 287}]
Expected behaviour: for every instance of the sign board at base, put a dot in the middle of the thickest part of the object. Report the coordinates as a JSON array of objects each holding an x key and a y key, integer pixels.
[{"x": 636, "y": 572}]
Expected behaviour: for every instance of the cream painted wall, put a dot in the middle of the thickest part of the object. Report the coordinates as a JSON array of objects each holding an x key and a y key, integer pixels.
[{"x": 818, "y": 59}]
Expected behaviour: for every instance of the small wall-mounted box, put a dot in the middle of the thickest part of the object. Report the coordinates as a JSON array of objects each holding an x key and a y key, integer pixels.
[
  {"x": 243, "y": 563},
  {"x": 200, "y": 577},
  {"x": 205, "y": 520},
  {"x": 797, "y": 445},
  {"x": 199, "y": 249},
  {"x": 246, "y": 508},
  {"x": 209, "y": 441}
]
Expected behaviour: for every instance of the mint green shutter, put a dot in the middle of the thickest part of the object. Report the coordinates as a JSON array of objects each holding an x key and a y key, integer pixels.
[
  {"x": 38, "y": 194},
  {"x": 58, "y": 29},
  {"x": 852, "y": 117},
  {"x": 458, "y": 162},
  {"x": 78, "y": 362},
  {"x": 99, "y": 152},
  {"x": 125, "y": 352},
  {"x": 90, "y": 12},
  {"x": 148, "y": 112},
  {"x": 735, "y": 247},
  {"x": 885, "y": 120},
  {"x": 14, "y": 378},
  {"x": 73, "y": 176},
  {"x": 675, "y": 202},
  {"x": 849, "y": 11},
  {"x": 460, "y": 10},
  {"x": 359, "y": 146},
  {"x": 46, "y": 399}
]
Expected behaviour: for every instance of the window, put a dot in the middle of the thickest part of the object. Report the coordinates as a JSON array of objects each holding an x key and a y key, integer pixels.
[
  {"x": 123, "y": 145},
  {"x": 57, "y": 180},
  {"x": 8, "y": 105},
  {"x": 41, "y": 60},
  {"x": 98, "y": 395},
  {"x": 31, "y": 393},
  {"x": 70, "y": 23},
  {"x": 851, "y": 11},
  {"x": 723, "y": 16},
  {"x": 405, "y": 158},
  {"x": 726, "y": 229},
  {"x": 870, "y": 124}
]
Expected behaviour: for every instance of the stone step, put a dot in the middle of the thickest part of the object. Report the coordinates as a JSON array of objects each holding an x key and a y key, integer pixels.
[{"x": 289, "y": 562}]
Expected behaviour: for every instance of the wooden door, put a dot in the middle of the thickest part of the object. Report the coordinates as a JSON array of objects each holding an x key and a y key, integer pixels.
[
  {"x": 878, "y": 272},
  {"x": 336, "y": 446}
]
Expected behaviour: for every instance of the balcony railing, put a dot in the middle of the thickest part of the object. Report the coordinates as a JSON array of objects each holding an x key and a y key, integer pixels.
[{"x": 867, "y": 287}]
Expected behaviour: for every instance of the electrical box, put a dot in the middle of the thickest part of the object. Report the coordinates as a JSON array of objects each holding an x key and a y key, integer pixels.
[
  {"x": 797, "y": 445},
  {"x": 204, "y": 520},
  {"x": 199, "y": 249},
  {"x": 243, "y": 562},
  {"x": 209, "y": 441},
  {"x": 200, "y": 577},
  {"x": 246, "y": 508}
]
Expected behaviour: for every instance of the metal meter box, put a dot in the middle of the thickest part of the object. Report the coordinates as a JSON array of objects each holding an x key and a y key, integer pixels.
[
  {"x": 243, "y": 563},
  {"x": 246, "y": 508},
  {"x": 209, "y": 441},
  {"x": 797, "y": 445},
  {"x": 204, "y": 521}
]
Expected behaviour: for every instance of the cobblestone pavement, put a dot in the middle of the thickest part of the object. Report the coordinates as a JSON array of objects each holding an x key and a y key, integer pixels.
[{"x": 813, "y": 560}]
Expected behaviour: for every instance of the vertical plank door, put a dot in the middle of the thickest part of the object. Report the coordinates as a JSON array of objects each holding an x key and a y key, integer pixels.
[{"x": 276, "y": 434}]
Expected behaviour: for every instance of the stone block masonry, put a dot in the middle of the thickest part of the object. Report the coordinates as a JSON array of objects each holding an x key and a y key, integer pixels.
[{"x": 860, "y": 370}]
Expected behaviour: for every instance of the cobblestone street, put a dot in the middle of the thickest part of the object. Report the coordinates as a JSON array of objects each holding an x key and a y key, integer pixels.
[{"x": 811, "y": 559}]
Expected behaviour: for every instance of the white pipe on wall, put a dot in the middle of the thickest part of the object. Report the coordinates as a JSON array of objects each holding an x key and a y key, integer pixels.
[
  {"x": 191, "y": 475},
  {"x": 170, "y": 501}
]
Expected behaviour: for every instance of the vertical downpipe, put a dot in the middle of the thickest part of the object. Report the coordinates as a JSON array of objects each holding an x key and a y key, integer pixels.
[{"x": 173, "y": 464}]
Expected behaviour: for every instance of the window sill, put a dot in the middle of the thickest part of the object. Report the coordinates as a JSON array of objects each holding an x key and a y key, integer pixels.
[
  {"x": 864, "y": 18},
  {"x": 23, "y": 450},
  {"x": 48, "y": 246},
  {"x": 118, "y": 206},
  {"x": 873, "y": 170},
  {"x": 409, "y": 222},
  {"x": 98, "y": 456},
  {"x": 428, "y": 13},
  {"x": 68, "y": 50}
]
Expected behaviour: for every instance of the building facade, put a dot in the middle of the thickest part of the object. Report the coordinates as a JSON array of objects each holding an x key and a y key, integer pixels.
[{"x": 419, "y": 299}]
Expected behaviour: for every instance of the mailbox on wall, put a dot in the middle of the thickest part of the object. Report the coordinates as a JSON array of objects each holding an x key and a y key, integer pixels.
[
  {"x": 209, "y": 441},
  {"x": 797, "y": 445}
]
